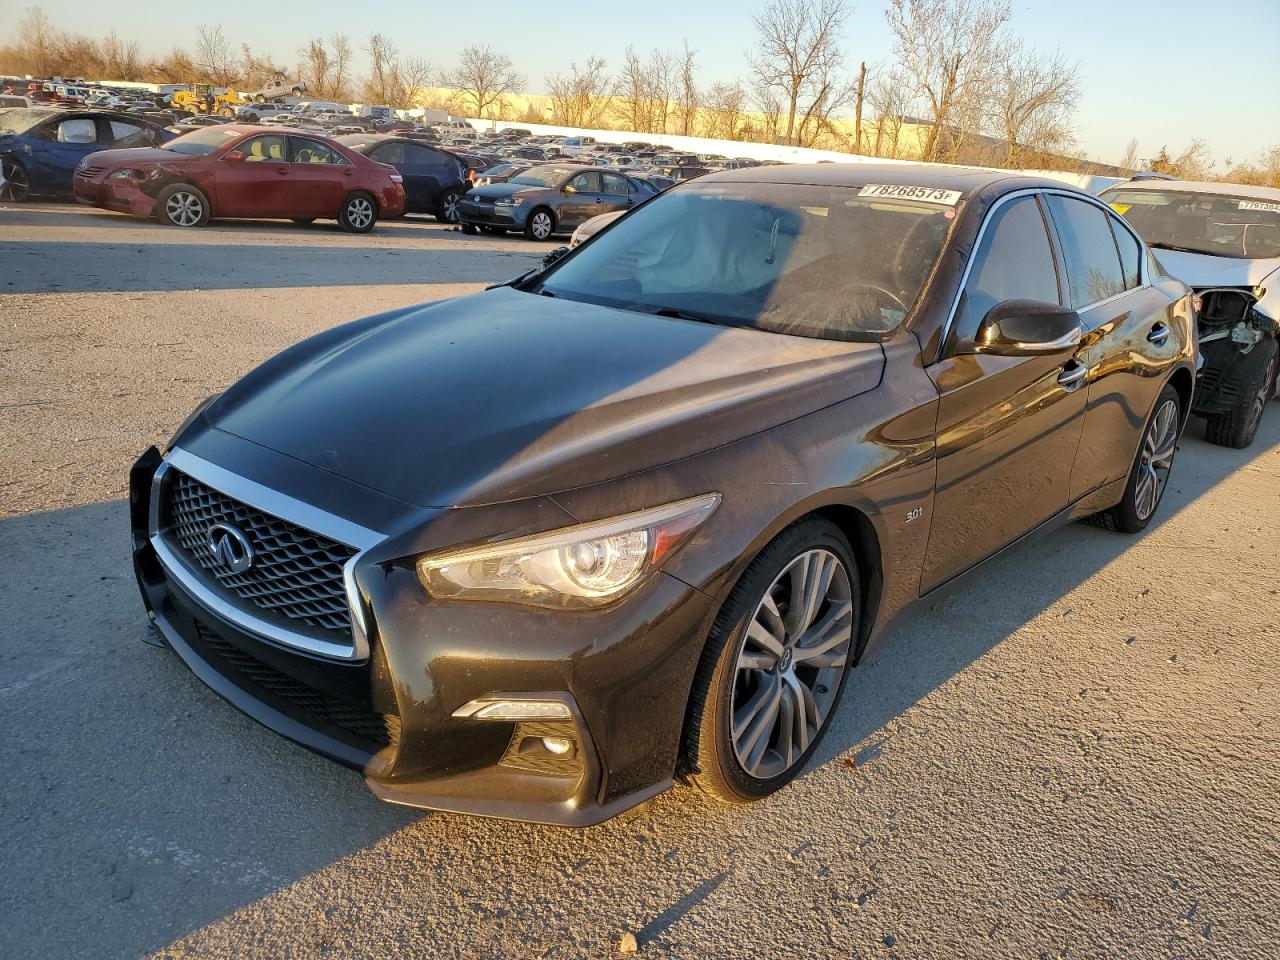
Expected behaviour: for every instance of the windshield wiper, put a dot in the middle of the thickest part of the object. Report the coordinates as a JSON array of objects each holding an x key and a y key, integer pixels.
[
  {"x": 675, "y": 314},
  {"x": 1161, "y": 245}
]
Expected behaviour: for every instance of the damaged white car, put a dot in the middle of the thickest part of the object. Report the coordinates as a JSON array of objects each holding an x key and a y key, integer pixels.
[{"x": 1223, "y": 241}]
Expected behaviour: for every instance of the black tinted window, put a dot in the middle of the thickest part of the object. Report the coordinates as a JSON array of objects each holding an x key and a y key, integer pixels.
[
  {"x": 1093, "y": 264},
  {"x": 1130, "y": 253},
  {"x": 1014, "y": 262},
  {"x": 423, "y": 156},
  {"x": 392, "y": 153}
]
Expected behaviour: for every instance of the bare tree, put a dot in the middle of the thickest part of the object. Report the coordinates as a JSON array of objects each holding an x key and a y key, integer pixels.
[
  {"x": 213, "y": 55},
  {"x": 947, "y": 48},
  {"x": 1129, "y": 160},
  {"x": 689, "y": 97},
  {"x": 582, "y": 98},
  {"x": 323, "y": 67},
  {"x": 1265, "y": 172},
  {"x": 483, "y": 80},
  {"x": 120, "y": 60},
  {"x": 889, "y": 95},
  {"x": 37, "y": 36},
  {"x": 256, "y": 67},
  {"x": 643, "y": 91},
  {"x": 798, "y": 55},
  {"x": 858, "y": 100},
  {"x": 1193, "y": 163},
  {"x": 339, "y": 67},
  {"x": 392, "y": 81},
  {"x": 1033, "y": 98},
  {"x": 724, "y": 110}
]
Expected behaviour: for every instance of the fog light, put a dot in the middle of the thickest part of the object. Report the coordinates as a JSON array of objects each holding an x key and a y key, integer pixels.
[
  {"x": 509, "y": 710},
  {"x": 557, "y": 745}
]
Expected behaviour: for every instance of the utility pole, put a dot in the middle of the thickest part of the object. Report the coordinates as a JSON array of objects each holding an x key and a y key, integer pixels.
[{"x": 857, "y": 116}]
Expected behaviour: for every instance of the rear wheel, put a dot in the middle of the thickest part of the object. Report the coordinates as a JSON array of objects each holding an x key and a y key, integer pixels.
[
  {"x": 1151, "y": 468},
  {"x": 182, "y": 205},
  {"x": 17, "y": 186},
  {"x": 358, "y": 213},
  {"x": 447, "y": 209},
  {"x": 1255, "y": 383},
  {"x": 540, "y": 225},
  {"x": 774, "y": 665}
]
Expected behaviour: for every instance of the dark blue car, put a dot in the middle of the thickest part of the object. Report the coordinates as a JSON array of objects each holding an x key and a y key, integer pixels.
[{"x": 39, "y": 148}]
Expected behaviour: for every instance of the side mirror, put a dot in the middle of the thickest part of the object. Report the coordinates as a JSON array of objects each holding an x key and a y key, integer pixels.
[
  {"x": 1021, "y": 328},
  {"x": 233, "y": 155},
  {"x": 554, "y": 255}
]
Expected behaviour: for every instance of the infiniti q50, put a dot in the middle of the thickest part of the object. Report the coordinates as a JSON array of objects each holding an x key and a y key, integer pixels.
[{"x": 539, "y": 552}]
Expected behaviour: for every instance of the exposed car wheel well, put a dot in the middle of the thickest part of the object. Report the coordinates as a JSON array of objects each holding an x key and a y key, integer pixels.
[
  {"x": 1182, "y": 382},
  {"x": 861, "y": 533}
]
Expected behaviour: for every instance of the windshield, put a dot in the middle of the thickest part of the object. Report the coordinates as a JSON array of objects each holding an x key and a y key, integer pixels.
[
  {"x": 544, "y": 176},
  {"x": 202, "y": 142},
  {"x": 20, "y": 121},
  {"x": 1217, "y": 224},
  {"x": 811, "y": 261}
]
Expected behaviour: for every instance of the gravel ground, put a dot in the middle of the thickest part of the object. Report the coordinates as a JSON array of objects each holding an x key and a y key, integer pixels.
[{"x": 1074, "y": 754}]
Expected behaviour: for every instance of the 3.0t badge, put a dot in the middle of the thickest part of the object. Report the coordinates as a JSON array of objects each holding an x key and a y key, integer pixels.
[{"x": 230, "y": 547}]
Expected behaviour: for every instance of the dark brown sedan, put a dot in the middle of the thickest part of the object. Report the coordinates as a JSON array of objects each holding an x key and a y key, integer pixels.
[{"x": 535, "y": 552}]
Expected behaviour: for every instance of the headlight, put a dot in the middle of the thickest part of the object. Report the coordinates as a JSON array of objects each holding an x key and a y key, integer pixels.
[
  {"x": 126, "y": 175},
  {"x": 574, "y": 568},
  {"x": 508, "y": 201}
]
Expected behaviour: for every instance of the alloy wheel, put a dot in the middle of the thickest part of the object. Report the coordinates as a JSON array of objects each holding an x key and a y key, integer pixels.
[
  {"x": 16, "y": 186},
  {"x": 1263, "y": 395},
  {"x": 183, "y": 208},
  {"x": 1156, "y": 459},
  {"x": 359, "y": 213},
  {"x": 790, "y": 664},
  {"x": 541, "y": 225},
  {"x": 451, "y": 207}
]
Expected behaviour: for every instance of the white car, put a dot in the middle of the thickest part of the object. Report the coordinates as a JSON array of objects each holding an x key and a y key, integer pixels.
[{"x": 1223, "y": 241}]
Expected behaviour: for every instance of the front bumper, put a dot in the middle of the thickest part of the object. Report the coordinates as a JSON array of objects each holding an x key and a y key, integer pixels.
[
  {"x": 491, "y": 215},
  {"x": 120, "y": 195},
  {"x": 624, "y": 675}
]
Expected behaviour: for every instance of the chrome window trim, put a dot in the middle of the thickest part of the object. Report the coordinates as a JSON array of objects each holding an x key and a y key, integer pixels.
[
  {"x": 1143, "y": 280},
  {"x": 286, "y": 508}
]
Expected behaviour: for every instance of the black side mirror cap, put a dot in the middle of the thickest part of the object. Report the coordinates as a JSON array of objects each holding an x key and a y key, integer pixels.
[{"x": 1020, "y": 328}]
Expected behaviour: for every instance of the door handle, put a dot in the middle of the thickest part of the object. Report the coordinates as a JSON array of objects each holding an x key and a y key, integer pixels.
[
  {"x": 1073, "y": 374},
  {"x": 1159, "y": 334}
]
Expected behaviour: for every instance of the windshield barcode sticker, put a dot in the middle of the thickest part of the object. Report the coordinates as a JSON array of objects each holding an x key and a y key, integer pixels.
[
  {"x": 1258, "y": 205},
  {"x": 901, "y": 192}
]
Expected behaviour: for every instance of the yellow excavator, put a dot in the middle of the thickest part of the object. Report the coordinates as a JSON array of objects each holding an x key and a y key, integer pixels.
[{"x": 201, "y": 99}]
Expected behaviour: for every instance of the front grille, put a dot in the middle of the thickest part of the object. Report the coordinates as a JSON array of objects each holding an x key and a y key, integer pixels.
[
  {"x": 296, "y": 573},
  {"x": 88, "y": 172},
  {"x": 370, "y": 729}
]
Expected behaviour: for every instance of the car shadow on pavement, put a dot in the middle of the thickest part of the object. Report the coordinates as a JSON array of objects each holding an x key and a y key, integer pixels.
[{"x": 141, "y": 808}]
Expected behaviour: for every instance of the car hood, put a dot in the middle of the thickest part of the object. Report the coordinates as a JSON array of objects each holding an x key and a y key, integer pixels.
[
  {"x": 133, "y": 155},
  {"x": 492, "y": 191},
  {"x": 1205, "y": 270},
  {"x": 504, "y": 395}
]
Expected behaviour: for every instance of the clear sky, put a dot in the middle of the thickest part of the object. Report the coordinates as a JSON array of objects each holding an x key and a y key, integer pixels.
[{"x": 1164, "y": 71}]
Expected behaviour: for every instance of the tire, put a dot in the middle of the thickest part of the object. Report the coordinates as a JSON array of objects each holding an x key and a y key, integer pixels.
[
  {"x": 468, "y": 228},
  {"x": 1255, "y": 382},
  {"x": 227, "y": 112},
  {"x": 1152, "y": 467},
  {"x": 259, "y": 98},
  {"x": 17, "y": 185},
  {"x": 303, "y": 221},
  {"x": 738, "y": 672},
  {"x": 358, "y": 213},
  {"x": 540, "y": 225},
  {"x": 296, "y": 91},
  {"x": 447, "y": 208},
  {"x": 182, "y": 205}
]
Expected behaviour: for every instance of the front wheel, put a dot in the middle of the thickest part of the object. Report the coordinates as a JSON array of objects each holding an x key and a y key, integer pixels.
[
  {"x": 469, "y": 229},
  {"x": 447, "y": 209},
  {"x": 358, "y": 213},
  {"x": 774, "y": 665},
  {"x": 182, "y": 205},
  {"x": 541, "y": 225},
  {"x": 16, "y": 185},
  {"x": 1255, "y": 382},
  {"x": 1149, "y": 475}
]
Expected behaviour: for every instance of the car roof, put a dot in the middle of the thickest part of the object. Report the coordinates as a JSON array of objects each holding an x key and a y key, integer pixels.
[
  {"x": 964, "y": 179},
  {"x": 1201, "y": 186}
]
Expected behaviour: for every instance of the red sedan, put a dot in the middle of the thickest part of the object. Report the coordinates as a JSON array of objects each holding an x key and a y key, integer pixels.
[{"x": 237, "y": 170}]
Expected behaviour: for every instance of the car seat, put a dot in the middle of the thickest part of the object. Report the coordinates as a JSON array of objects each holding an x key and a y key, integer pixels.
[{"x": 256, "y": 153}]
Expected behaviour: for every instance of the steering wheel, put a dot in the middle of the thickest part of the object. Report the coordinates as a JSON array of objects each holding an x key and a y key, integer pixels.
[{"x": 877, "y": 289}]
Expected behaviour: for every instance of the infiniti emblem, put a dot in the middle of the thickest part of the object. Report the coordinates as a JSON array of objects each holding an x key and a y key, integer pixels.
[{"x": 230, "y": 547}]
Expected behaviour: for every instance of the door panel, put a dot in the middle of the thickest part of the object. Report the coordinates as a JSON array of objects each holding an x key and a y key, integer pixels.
[
  {"x": 259, "y": 185},
  {"x": 1008, "y": 427},
  {"x": 320, "y": 178}
]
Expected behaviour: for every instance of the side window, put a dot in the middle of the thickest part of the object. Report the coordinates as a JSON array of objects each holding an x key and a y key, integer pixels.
[
  {"x": 78, "y": 130},
  {"x": 1014, "y": 262},
  {"x": 586, "y": 183},
  {"x": 129, "y": 135},
  {"x": 313, "y": 151},
  {"x": 392, "y": 153},
  {"x": 1130, "y": 252},
  {"x": 423, "y": 156},
  {"x": 269, "y": 148},
  {"x": 1093, "y": 263},
  {"x": 615, "y": 184}
]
